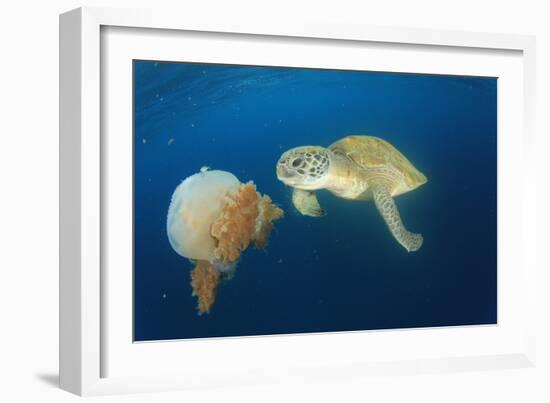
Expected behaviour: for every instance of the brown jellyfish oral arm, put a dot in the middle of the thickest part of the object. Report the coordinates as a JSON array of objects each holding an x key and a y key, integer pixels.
[
  {"x": 268, "y": 212},
  {"x": 204, "y": 280},
  {"x": 235, "y": 225}
]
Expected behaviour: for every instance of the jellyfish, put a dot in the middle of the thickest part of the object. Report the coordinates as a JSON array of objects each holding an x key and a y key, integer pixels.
[{"x": 212, "y": 219}]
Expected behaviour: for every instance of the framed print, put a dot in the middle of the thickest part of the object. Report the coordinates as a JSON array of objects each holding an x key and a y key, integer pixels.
[{"x": 255, "y": 202}]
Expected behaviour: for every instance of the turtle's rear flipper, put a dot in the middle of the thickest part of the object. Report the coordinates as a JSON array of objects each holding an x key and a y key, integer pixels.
[
  {"x": 387, "y": 208},
  {"x": 306, "y": 203}
]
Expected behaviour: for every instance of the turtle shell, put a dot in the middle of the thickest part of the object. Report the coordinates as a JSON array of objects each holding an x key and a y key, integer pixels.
[{"x": 373, "y": 152}]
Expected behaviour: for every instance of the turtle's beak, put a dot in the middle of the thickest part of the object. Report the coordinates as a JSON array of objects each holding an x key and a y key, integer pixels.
[{"x": 282, "y": 172}]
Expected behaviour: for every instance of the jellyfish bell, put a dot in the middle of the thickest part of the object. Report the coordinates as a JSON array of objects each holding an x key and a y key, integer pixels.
[
  {"x": 212, "y": 219},
  {"x": 196, "y": 204}
]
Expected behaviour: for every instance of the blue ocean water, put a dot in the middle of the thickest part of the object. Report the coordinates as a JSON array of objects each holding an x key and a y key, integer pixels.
[{"x": 343, "y": 271}]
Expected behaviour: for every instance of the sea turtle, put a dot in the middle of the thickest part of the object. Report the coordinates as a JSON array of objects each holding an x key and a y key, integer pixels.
[{"x": 356, "y": 168}]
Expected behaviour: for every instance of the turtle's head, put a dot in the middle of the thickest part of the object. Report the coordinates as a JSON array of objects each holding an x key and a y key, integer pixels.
[{"x": 304, "y": 167}]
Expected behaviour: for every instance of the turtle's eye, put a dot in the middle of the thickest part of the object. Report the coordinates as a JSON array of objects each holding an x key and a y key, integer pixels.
[{"x": 297, "y": 162}]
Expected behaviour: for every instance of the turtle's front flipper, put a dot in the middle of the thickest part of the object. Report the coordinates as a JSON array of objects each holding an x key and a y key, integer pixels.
[
  {"x": 306, "y": 203},
  {"x": 387, "y": 208}
]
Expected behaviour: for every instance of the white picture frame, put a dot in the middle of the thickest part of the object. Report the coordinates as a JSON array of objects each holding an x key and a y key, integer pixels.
[{"x": 88, "y": 339}]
